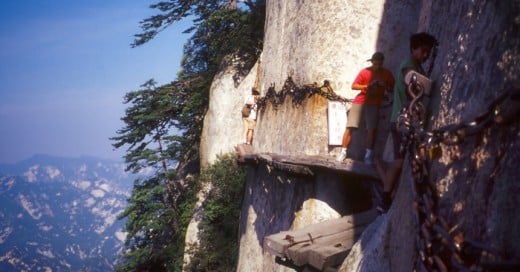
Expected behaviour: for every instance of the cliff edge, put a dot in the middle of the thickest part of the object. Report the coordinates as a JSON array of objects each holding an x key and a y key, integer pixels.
[{"x": 312, "y": 41}]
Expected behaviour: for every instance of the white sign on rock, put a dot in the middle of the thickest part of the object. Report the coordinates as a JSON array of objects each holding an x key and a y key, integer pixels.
[{"x": 337, "y": 121}]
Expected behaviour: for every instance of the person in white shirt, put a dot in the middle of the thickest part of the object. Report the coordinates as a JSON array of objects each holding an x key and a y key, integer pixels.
[{"x": 250, "y": 121}]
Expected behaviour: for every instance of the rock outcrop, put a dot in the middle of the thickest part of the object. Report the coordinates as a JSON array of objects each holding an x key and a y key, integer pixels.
[
  {"x": 223, "y": 128},
  {"x": 477, "y": 179},
  {"x": 312, "y": 41}
]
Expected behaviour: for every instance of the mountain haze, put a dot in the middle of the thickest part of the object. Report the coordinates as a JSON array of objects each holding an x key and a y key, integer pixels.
[{"x": 60, "y": 214}]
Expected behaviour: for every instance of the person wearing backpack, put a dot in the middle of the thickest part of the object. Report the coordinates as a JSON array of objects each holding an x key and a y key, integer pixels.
[{"x": 249, "y": 115}]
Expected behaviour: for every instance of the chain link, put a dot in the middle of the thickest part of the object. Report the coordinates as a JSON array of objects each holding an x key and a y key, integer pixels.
[
  {"x": 298, "y": 94},
  {"x": 439, "y": 247}
]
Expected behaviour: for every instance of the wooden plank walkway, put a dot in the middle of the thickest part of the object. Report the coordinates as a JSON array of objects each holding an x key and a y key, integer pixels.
[
  {"x": 323, "y": 246},
  {"x": 306, "y": 165}
]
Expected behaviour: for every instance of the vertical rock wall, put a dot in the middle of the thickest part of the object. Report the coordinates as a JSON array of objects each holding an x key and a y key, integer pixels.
[
  {"x": 276, "y": 201},
  {"x": 316, "y": 40},
  {"x": 312, "y": 41},
  {"x": 479, "y": 60},
  {"x": 477, "y": 180},
  {"x": 223, "y": 128}
]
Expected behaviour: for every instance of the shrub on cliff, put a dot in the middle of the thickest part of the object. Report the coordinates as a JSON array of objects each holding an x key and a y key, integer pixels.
[
  {"x": 163, "y": 125},
  {"x": 218, "y": 235}
]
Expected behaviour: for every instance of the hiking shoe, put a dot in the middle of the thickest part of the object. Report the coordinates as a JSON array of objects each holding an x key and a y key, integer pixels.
[{"x": 341, "y": 156}]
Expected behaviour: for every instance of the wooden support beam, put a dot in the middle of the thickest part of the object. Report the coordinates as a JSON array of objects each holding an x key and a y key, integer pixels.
[
  {"x": 309, "y": 165},
  {"x": 320, "y": 245}
]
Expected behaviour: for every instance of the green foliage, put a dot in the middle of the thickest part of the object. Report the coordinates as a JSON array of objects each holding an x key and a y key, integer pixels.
[
  {"x": 149, "y": 227},
  {"x": 163, "y": 125},
  {"x": 218, "y": 235},
  {"x": 147, "y": 121},
  {"x": 153, "y": 243},
  {"x": 175, "y": 10},
  {"x": 155, "y": 230}
]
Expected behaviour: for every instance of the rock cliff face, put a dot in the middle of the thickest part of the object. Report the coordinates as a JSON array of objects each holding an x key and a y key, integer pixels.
[
  {"x": 312, "y": 41},
  {"x": 223, "y": 126},
  {"x": 476, "y": 180}
]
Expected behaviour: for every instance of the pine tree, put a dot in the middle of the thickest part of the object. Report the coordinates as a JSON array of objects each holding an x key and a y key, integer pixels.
[
  {"x": 152, "y": 214},
  {"x": 163, "y": 125}
]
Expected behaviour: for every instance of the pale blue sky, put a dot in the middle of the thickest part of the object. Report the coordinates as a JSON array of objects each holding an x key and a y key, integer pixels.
[{"x": 65, "y": 67}]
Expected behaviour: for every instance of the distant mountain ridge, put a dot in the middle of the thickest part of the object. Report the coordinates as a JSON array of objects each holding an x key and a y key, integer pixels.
[{"x": 60, "y": 214}]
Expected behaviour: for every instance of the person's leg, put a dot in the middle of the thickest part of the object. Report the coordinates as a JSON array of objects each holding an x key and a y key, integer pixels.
[
  {"x": 391, "y": 176},
  {"x": 353, "y": 118},
  {"x": 344, "y": 143},
  {"x": 347, "y": 136},
  {"x": 371, "y": 138},
  {"x": 245, "y": 129},
  {"x": 249, "y": 138},
  {"x": 371, "y": 115},
  {"x": 250, "y": 131}
]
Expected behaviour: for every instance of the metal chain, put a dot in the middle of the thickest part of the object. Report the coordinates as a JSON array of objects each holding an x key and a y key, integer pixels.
[
  {"x": 298, "y": 94},
  {"x": 439, "y": 247}
]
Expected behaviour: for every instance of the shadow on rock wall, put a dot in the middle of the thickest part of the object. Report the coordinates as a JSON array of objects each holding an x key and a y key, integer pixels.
[{"x": 476, "y": 180}]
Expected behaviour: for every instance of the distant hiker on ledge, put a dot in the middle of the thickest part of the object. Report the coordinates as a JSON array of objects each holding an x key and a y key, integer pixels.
[
  {"x": 421, "y": 45},
  {"x": 249, "y": 115},
  {"x": 372, "y": 82}
]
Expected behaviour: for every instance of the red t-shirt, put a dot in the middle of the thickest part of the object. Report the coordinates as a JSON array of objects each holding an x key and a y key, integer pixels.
[{"x": 367, "y": 75}]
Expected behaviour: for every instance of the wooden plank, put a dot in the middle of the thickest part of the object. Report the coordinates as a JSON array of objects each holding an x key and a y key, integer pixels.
[
  {"x": 277, "y": 244},
  {"x": 293, "y": 168},
  {"x": 327, "y": 251},
  {"x": 298, "y": 254},
  {"x": 327, "y": 256},
  {"x": 314, "y": 163},
  {"x": 348, "y": 166},
  {"x": 334, "y": 251},
  {"x": 243, "y": 150}
]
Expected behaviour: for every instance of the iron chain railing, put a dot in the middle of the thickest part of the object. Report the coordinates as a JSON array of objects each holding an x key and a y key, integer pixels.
[
  {"x": 439, "y": 247},
  {"x": 298, "y": 94}
]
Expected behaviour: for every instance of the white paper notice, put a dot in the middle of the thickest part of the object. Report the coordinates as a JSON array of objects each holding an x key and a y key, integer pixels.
[{"x": 337, "y": 118}]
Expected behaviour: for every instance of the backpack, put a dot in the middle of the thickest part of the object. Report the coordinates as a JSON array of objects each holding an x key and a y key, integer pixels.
[{"x": 246, "y": 111}]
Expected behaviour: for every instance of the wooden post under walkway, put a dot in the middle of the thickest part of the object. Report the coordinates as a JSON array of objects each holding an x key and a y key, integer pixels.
[{"x": 323, "y": 246}]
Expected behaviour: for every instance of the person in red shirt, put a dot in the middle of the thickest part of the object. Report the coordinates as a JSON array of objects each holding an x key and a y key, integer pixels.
[{"x": 372, "y": 82}]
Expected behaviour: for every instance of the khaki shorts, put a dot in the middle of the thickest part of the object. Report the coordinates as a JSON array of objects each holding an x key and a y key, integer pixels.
[
  {"x": 370, "y": 113},
  {"x": 249, "y": 123}
]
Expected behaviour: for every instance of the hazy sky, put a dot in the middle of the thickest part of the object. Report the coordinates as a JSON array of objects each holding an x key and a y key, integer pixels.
[{"x": 65, "y": 66}]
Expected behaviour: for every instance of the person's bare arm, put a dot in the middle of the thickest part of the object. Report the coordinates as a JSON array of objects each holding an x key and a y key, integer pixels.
[{"x": 359, "y": 87}]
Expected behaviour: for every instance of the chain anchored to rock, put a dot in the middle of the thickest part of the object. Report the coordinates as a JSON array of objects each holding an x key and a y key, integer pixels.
[
  {"x": 298, "y": 94},
  {"x": 440, "y": 247}
]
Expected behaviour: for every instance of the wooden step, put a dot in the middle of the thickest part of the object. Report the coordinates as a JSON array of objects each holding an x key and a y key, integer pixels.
[{"x": 320, "y": 245}]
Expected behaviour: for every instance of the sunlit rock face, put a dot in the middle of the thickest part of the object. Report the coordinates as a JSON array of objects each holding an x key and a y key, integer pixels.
[
  {"x": 477, "y": 60},
  {"x": 61, "y": 214},
  {"x": 477, "y": 180},
  {"x": 312, "y": 41},
  {"x": 223, "y": 128}
]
